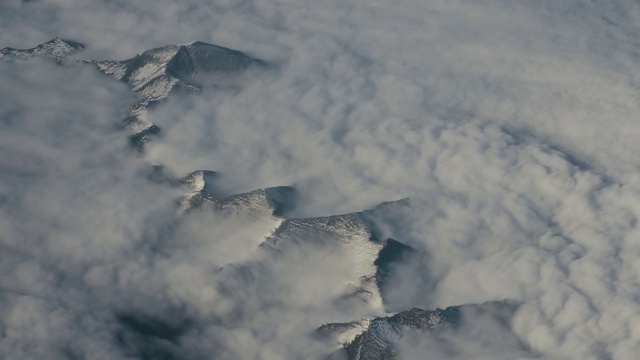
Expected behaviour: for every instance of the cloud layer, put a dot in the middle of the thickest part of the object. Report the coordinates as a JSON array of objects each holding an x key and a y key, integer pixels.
[{"x": 511, "y": 126}]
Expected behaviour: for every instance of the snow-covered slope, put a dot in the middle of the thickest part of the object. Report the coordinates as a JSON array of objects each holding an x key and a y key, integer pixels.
[
  {"x": 376, "y": 338},
  {"x": 366, "y": 260},
  {"x": 154, "y": 73},
  {"x": 56, "y": 48},
  {"x": 353, "y": 233},
  {"x": 258, "y": 203},
  {"x": 157, "y": 72}
]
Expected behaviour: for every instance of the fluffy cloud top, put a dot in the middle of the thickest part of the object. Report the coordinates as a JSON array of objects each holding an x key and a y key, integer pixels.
[{"x": 510, "y": 126}]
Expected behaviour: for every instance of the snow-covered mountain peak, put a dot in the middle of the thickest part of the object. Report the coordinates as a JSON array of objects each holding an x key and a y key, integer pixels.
[
  {"x": 353, "y": 233},
  {"x": 375, "y": 338},
  {"x": 160, "y": 71},
  {"x": 56, "y": 48},
  {"x": 259, "y": 203},
  {"x": 166, "y": 66}
]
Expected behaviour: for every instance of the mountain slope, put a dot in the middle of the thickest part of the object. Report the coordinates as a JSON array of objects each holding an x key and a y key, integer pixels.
[
  {"x": 157, "y": 72},
  {"x": 376, "y": 338},
  {"x": 56, "y": 48},
  {"x": 154, "y": 73}
]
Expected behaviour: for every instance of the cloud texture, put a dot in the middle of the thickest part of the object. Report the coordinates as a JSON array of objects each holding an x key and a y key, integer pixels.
[{"x": 510, "y": 126}]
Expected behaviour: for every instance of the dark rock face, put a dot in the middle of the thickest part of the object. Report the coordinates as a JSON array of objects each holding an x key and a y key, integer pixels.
[
  {"x": 352, "y": 232},
  {"x": 393, "y": 252},
  {"x": 148, "y": 337},
  {"x": 139, "y": 139},
  {"x": 154, "y": 73}
]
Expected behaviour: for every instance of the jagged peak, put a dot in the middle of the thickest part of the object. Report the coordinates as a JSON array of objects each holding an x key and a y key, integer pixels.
[
  {"x": 283, "y": 198},
  {"x": 58, "y": 41},
  {"x": 56, "y": 48},
  {"x": 267, "y": 202},
  {"x": 139, "y": 139},
  {"x": 372, "y": 257},
  {"x": 163, "y": 70},
  {"x": 356, "y": 235},
  {"x": 390, "y": 255},
  {"x": 374, "y": 338},
  {"x": 343, "y": 333},
  {"x": 176, "y": 60}
]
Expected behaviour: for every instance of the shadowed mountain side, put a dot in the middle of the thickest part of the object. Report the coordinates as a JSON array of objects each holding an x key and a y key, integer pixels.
[
  {"x": 149, "y": 337},
  {"x": 142, "y": 137},
  {"x": 356, "y": 233},
  {"x": 373, "y": 260},
  {"x": 359, "y": 225},
  {"x": 175, "y": 61},
  {"x": 158, "y": 72}
]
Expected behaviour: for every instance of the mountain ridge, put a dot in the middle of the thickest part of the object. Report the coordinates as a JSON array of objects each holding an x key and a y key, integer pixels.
[
  {"x": 154, "y": 73},
  {"x": 375, "y": 338},
  {"x": 55, "y": 48}
]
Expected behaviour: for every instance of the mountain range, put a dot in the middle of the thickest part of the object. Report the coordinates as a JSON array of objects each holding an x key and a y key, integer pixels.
[{"x": 157, "y": 73}]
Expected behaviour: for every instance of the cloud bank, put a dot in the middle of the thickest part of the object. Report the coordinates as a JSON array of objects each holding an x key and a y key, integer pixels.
[{"x": 510, "y": 126}]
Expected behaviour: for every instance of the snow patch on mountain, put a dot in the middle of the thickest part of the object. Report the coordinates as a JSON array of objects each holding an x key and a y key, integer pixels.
[
  {"x": 157, "y": 72},
  {"x": 56, "y": 48},
  {"x": 353, "y": 233},
  {"x": 377, "y": 338}
]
